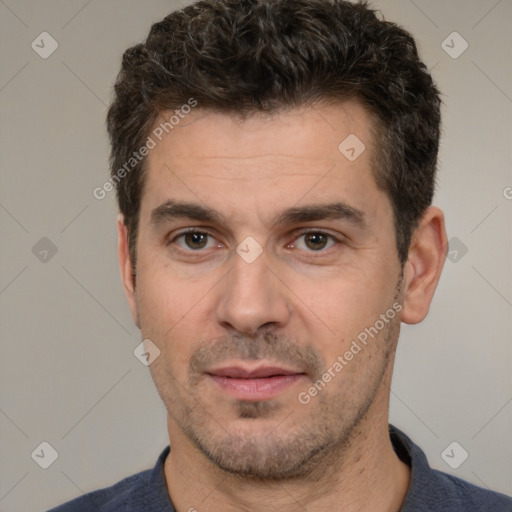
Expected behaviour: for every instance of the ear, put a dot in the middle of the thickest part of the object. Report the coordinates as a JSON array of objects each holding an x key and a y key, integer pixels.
[
  {"x": 425, "y": 262},
  {"x": 127, "y": 271}
]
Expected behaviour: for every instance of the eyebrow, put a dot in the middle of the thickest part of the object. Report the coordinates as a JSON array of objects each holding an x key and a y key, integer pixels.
[
  {"x": 334, "y": 211},
  {"x": 183, "y": 210}
]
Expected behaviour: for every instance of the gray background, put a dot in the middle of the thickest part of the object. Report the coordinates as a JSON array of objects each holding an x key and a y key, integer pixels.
[{"x": 68, "y": 375}]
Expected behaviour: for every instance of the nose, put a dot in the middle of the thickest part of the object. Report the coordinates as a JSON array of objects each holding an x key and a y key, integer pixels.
[{"x": 251, "y": 297}]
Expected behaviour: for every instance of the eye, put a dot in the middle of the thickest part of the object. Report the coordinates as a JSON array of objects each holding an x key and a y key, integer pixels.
[
  {"x": 314, "y": 241},
  {"x": 195, "y": 240}
]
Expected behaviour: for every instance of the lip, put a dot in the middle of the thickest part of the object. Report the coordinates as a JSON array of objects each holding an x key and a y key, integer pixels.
[
  {"x": 239, "y": 372},
  {"x": 260, "y": 383}
]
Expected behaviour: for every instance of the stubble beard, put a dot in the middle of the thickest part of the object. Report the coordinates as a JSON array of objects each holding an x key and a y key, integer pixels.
[{"x": 291, "y": 449}]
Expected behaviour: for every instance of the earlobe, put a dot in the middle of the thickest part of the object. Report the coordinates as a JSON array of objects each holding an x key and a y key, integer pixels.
[
  {"x": 125, "y": 266},
  {"x": 424, "y": 265}
]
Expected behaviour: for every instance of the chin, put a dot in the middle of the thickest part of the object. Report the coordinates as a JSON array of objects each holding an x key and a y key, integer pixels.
[{"x": 255, "y": 450}]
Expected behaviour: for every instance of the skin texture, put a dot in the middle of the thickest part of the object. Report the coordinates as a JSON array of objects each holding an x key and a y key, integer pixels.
[{"x": 298, "y": 305}]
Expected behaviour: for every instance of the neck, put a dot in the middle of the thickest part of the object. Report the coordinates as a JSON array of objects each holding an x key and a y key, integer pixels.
[{"x": 364, "y": 474}]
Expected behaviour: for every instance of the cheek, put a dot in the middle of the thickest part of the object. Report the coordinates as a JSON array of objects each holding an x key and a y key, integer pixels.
[
  {"x": 174, "y": 313},
  {"x": 345, "y": 301},
  {"x": 164, "y": 297}
]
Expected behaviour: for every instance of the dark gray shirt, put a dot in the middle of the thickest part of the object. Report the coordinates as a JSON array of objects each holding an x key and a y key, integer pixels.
[{"x": 429, "y": 491}]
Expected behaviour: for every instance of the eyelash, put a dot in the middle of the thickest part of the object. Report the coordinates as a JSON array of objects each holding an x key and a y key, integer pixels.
[{"x": 296, "y": 237}]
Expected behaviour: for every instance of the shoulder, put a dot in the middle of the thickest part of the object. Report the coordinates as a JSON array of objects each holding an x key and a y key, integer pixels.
[
  {"x": 109, "y": 499},
  {"x": 146, "y": 490},
  {"x": 431, "y": 490},
  {"x": 457, "y": 494}
]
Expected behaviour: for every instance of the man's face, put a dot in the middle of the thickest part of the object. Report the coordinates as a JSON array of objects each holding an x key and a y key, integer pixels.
[{"x": 245, "y": 335}]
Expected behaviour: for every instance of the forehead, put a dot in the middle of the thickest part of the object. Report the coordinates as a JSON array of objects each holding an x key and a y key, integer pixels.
[
  {"x": 316, "y": 151},
  {"x": 303, "y": 132}
]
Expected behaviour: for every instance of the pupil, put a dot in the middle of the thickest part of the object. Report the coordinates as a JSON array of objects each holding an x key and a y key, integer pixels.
[
  {"x": 316, "y": 241},
  {"x": 196, "y": 240}
]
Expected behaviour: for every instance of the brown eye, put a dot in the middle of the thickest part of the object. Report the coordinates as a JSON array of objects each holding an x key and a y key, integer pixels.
[
  {"x": 196, "y": 240},
  {"x": 316, "y": 241}
]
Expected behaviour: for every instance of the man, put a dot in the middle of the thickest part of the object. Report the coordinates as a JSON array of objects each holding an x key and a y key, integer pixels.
[{"x": 275, "y": 166}]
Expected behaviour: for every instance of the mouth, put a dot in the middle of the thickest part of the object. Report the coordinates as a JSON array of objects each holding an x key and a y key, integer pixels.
[{"x": 260, "y": 383}]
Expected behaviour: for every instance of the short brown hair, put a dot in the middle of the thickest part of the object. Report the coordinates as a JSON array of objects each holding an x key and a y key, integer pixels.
[{"x": 245, "y": 56}]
